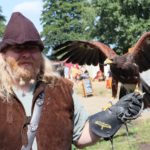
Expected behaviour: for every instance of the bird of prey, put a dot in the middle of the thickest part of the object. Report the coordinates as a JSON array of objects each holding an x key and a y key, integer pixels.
[{"x": 125, "y": 69}]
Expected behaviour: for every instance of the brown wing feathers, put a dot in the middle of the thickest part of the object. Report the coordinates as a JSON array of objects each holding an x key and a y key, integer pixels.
[
  {"x": 141, "y": 52},
  {"x": 83, "y": 52},
  {"x": 107, "y": 51}
]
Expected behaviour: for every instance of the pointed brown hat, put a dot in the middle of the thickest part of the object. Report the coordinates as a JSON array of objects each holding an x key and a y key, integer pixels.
[{"x": 20, "y": 30}]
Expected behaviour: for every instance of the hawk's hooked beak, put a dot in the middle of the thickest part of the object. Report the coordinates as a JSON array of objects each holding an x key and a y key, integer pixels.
[{"x": 108, "y": 61}]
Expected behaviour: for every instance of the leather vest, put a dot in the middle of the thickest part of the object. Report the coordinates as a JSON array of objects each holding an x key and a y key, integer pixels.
[{"x": 56, "y": 122}]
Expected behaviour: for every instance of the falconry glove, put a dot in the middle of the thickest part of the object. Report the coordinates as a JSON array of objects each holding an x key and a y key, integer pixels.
[{"x": 106, "y": 123}]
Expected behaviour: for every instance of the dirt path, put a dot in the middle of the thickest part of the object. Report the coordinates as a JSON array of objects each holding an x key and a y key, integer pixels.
[
  {"x": 102, "y": 99},
  {"x": 95, "y": 104}
]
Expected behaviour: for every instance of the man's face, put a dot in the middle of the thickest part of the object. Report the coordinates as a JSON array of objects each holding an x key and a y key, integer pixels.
[{"x": 24, "y": 61}]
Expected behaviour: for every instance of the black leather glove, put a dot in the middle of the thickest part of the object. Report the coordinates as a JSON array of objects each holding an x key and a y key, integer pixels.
[{"x": 106, "y": 123}]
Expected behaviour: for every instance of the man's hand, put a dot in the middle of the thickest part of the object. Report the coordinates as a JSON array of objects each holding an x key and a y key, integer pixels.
[
  {"x": 106, "y": 123},
  {"x": 129, "y": 107}
]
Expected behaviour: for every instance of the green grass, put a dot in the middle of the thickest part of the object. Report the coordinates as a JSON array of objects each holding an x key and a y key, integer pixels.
[
  {"x": 139, "y": 130},
  {"x": 138, "y": 134}
]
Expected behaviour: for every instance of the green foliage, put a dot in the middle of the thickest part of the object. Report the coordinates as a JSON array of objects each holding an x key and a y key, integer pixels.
[
  {"x": 66, "y": 20},
  {"x": 2, "y": 25},
  {"x": 121, "y": 23},
  {"x": 138, "y": 135},
  {"x": 117, "y": 23}
]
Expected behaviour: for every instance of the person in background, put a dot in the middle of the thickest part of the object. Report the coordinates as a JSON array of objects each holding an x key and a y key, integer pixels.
[
  {"x": 107, "y": 74},
  {"x": 84, "y": 75},
  {"x": 99, "y": 76},
  {"x": 38, "y": 109}
]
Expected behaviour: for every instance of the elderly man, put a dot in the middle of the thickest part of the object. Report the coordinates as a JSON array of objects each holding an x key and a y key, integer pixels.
[{"x": 39, "y": 110}]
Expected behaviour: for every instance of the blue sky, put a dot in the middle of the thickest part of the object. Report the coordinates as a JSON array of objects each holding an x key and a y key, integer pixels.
[{"x": 29, "y": 8}]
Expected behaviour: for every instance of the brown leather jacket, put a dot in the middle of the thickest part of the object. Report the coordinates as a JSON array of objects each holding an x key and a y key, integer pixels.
[{"x": 56, "y": 122}]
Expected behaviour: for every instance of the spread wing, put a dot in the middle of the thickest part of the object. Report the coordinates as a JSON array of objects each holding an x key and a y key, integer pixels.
[
  {"x": 83, "y": 52},
  {"x": 141, "y": 52},
  {"x": 126, "y": 68}
]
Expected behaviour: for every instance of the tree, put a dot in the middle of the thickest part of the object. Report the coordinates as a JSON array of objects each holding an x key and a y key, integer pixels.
[
  {"x": 64, "y": 20},
  {"x": 2, "y": 25},
  {"x": 121, "y": 22}
]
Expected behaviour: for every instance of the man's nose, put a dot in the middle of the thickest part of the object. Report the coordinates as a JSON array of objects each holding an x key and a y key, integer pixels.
[{"x": 25, "y": 53}]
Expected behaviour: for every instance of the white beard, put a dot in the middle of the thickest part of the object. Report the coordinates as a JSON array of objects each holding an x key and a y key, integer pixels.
[{"x": 21, "y": 74}]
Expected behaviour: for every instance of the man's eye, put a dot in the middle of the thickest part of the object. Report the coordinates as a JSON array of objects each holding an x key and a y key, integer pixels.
[
  {"x": 33, "y": 47},
  {"x": 25, "y": 47},
  {"x": 15, "y": 48}
]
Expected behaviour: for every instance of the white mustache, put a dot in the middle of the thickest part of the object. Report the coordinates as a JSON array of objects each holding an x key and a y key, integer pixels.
[{"x": 25, "y": 62}]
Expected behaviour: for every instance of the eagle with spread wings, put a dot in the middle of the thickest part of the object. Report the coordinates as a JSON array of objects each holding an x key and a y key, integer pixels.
[{"x": 125, "y": 69}]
